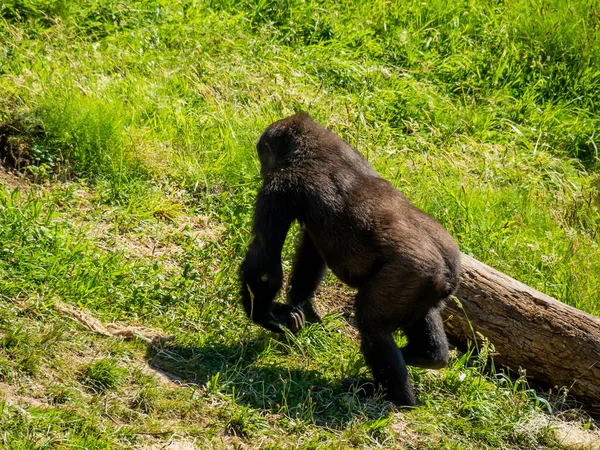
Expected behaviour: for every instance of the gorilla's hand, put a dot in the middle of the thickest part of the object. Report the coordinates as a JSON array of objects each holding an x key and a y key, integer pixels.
[{"x": 285, "y": 315}]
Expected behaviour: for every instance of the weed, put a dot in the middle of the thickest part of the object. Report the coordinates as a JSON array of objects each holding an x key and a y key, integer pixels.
[{"x": 102, "y": 375}]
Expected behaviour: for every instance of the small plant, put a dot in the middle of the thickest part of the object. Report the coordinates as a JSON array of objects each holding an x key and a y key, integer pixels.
[
  {"x": 103, "y": 375},
  {"x": 22, "y": 347},
  {"x": 145, "y": 399},
  {"x": 59, "y": 394}
]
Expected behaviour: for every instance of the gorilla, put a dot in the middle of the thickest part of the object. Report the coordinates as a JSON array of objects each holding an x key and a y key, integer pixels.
[{"x": 403, "y": 263}]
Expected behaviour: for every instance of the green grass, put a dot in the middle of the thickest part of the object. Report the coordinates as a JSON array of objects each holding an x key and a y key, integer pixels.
[{"x": 141, "y": 119}]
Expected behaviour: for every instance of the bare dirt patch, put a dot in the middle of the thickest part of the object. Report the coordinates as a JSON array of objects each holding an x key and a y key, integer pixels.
[
  {"x": 149, "y": 246},
  {"x": 13, "y": 181},
  {"x": 173, "y": 445},
  {"x": 11, "y": 395},
  {"x": 569, "y": 434},
  {"x": 335, "y": 297},
  {"x": 573, "y": 437},
  {"x": 162, "y": 241}
]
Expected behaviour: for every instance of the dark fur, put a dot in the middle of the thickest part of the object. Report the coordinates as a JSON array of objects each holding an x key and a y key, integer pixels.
[{"x": 403, "y": 263}]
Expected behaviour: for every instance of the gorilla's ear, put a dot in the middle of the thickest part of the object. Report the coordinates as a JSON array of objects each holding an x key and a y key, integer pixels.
[
  {"x": 267, "y": 157},
  {"x": 273, "y": 146}
]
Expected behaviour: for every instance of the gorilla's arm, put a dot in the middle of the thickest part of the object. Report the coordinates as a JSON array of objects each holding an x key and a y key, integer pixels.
[{"x": 261, "y": 273}]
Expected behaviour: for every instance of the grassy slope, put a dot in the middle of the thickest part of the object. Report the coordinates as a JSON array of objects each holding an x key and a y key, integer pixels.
[{"x": 485, "y": 116}]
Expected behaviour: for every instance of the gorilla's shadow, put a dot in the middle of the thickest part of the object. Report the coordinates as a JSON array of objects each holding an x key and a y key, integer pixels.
[{"x": 234, "y": 370}]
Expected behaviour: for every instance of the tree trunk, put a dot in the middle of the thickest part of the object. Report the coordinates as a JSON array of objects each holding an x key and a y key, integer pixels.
[{"x": 555, "y": 343}]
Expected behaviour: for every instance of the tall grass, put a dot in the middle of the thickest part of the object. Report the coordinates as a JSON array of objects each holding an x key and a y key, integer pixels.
[{"x": 85, "y": 133}]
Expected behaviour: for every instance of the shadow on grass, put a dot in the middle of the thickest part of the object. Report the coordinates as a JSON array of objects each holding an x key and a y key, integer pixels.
[{"x": 235, "y": 371}]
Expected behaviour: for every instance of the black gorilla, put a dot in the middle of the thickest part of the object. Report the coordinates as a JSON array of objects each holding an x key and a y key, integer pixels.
[{"x": 403, "y": 263}]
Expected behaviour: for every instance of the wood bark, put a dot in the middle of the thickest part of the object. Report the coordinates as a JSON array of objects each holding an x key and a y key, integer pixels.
[{"x": 556, "y": 344}]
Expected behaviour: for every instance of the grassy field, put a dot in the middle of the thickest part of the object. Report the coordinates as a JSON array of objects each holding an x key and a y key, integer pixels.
[{"x": 129, "y": 141}]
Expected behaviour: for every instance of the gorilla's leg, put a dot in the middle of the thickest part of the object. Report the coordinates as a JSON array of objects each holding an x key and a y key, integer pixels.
[
  {"x": 383, "y": 305},
  {"x": 307, "y": 273},
  {"x": 387, "y": 364},
  {"x": 427, "y": 343}
]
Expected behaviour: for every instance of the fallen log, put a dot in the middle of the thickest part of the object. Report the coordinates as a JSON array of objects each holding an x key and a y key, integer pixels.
[{"x": 556, "y": 344}]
